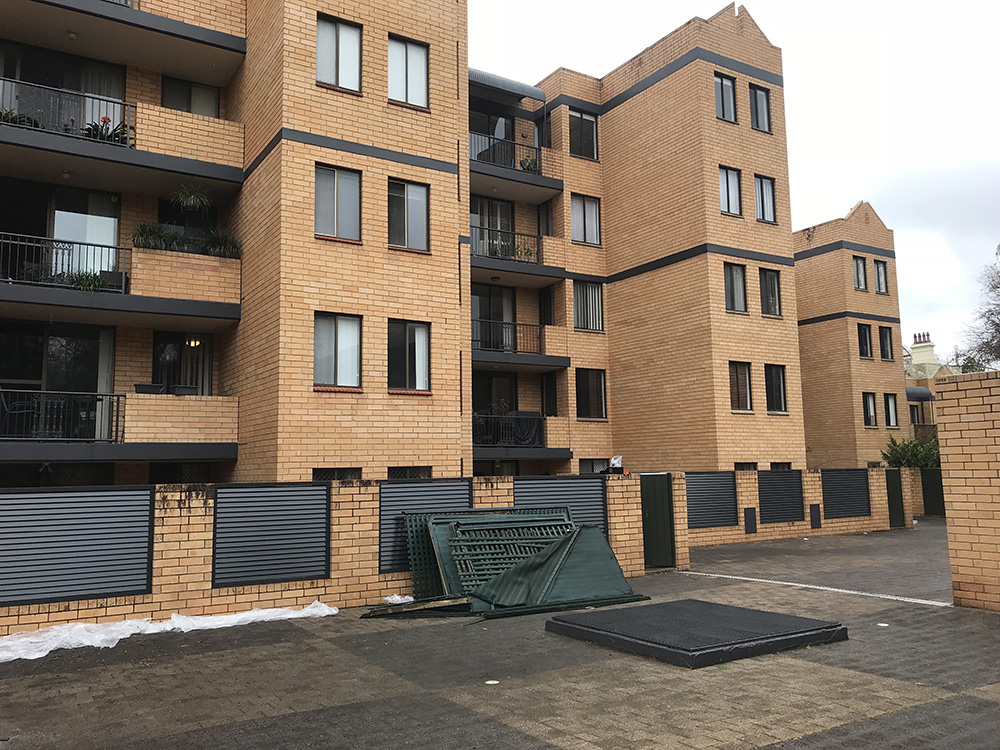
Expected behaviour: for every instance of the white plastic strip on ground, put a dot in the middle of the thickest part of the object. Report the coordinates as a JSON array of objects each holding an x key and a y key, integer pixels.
[
  {"x": 908, "y": 600},
  {"x": 37, "y": 644}
]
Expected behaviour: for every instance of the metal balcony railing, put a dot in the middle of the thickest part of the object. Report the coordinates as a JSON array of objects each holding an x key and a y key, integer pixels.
[
  {"x": 67, "y": 263},
  {"x": 498, "y": 243},
  {"x": 126, "y": 3},
  {"x": 523, "y": 430},
  {"x": 61, "y": 416},
  {"x": 504, "y": 153},
  {"x": 72, "y": 113},
  {"x": 500, "y": 336}
]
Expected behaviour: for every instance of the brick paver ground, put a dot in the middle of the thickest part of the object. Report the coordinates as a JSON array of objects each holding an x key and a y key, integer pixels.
[{"x": 930, "y": 679}]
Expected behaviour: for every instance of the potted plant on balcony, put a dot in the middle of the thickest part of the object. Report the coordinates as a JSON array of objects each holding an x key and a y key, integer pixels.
[
  {"x": 87, "y": 281},
  {"x": 103, "y": 130},
  {"x": 221, "y": 243},
  {"x": 153, "y": 236}
]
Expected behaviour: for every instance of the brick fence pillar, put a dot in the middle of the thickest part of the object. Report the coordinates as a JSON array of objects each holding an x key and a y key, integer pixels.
[
  {"x": 624, "y": 500},
  {"x": 913, "y": 494},
  {"x": 682, "y": 553},
  {"x": 493, "y": 492}
]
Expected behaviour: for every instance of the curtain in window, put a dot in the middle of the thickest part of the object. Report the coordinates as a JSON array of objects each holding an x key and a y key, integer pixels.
[
  {"x": 736, "y": 289},
  {"x": 588, "y": 306},
  {"x": 324, "y": 353},
  {"x": 739, "y": 386},
  {"x": 106, "y": 81},
  {"x": 592, "y": 216},
  {"x": 770, "y": 292},
  {"x": 890, "y": 409},
  {"x": 420, "y": 357},
  {"x": 348, "y": 205},
  {"x": 765, "y": 198},
  {"x": 577, "y": 219},
  {"x": 348, "y": 351}
]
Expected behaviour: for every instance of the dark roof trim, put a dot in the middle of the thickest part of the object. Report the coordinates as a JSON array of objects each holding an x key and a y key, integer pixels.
[
  {"x": 919, "y": 393},
  {"x": 693, "y": 252},
  {"x": 20, "y": 452},
  {"x": 523, "y": 454},
  {"x": 161, "y": 24},
  {"x": 839, "y": 315},
  {"x": 855, "y": 247},
  {"x": 506, "y": 85},
  {"x": 526, "y": 360},
  {"x": 46, "y": 295}
]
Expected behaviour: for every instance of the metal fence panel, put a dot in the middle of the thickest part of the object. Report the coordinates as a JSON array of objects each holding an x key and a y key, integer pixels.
[
  {"x": 271, "y": 534},
  {"x": 845, "y": 493},
  {"x": 711, "y": 499},
  {"x": 779, "y": 494},
  {"x": 419, "y": 496},
  {"x": 584, "y": 496},
  {"x": 58, "y": 545}
]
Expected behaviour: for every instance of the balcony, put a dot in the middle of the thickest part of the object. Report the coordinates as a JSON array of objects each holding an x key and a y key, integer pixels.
[
  {"x": 509, "y": 170},
  {"x": 502, "y": 346},
  {"x": 504, "y": 245},
  {"x": 53, "y": 416},
  {"x": 519, "y": 435},
  {"x": 62, "y": 263}
]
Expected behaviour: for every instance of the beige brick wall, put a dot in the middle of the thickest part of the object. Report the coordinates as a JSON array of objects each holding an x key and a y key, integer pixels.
[
  {"x": 227, "y": 16},
  {"x": 968, "y": 430},
  {"x": 161, "y": 273},
  {"x": 153, "y": 418},
  {"x": 168, "y": 131}
]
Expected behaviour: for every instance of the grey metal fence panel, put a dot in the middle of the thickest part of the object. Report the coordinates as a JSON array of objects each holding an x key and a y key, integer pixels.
[
  {"x": 779, "y": 494},
  {"x": 845, "y": 493},
  {"x": 58, "y": 545},
  {"x": 584, "y": 496},
  {"x": 415, "y": 496},
  {"x": 711, "y": 499},
  {"x": 271, "y": 533}
]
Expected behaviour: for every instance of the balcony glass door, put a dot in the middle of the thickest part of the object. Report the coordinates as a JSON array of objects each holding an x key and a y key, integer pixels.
[
  {"x": 85, "y": 228},
  {"x": 493, "y": 318},
  {"x": 494, "y": 393},
  {"x": 491, "y": 139},
  {"x": 492, "y": 223}
]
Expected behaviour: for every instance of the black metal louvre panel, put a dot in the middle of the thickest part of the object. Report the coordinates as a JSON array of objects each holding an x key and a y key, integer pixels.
[
  {"x": 271, "y": 534},
  {"x": 845, "y": 493},
  {"x": 711, "y": 499},
  {"x": 779, "y": 494},
  {"x": 584, "y": 496},
  {"x": 57, "y": 545},
  {"x": 415, "y": 496}
]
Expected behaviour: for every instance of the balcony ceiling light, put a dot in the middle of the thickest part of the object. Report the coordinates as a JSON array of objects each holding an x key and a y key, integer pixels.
[{"x": 193, "y": 342}]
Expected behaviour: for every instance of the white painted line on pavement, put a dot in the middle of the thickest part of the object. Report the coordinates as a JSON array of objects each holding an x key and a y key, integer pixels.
[{"x": 908, "y": 600}]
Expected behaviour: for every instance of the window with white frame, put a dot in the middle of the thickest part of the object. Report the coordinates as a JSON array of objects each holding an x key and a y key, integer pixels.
[
  {"x": 409, "y": 355},
  {"x": 338, "y": 203},
  {"x": 337, "y": 350},
  {"x": 408, "y": 215},
  {"x": 729, "y": 191},
  {"x": 338, "y": 53},
  {"x": 408, "y": 72},
  {"x": 588, "y": 306},
  {"x": 586, "y": 219},
  {"x": 764, "y": 190}
]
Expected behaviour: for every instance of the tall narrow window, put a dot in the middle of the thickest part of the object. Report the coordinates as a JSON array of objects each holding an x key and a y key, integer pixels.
[
  {"x": 774, "y": 385},
  {"x": 770, "y": 291},
  {"x": 860, "y": 274},
  {"x": 338, "y": 203},
  {"x": 881, "y": 277},
  {"x": 885, "y": 342},
  {"x": 586, "y": 219},
  {"x": 864, "y": 341},
  {"x": 338, "y": 53},
  {"x": 588, "y": 306},
  {"x": 337, "y": 350},
  {"x": 179, "y": 360},
  {"x": 408, "y": 72},
  {"x": 582, "y": 134},
  {"x": 736, "y": 287},
  {"x": 890, "y": 410},
  {"x": 729, "y": 191},
  {"x": 760, "y": 108},
  {"x": 409, "y": 355},
  {"x": 739, "y": 386},
  {"x": 868, "y": 406},
  {"x": 550, "y": 399},
  {"x": 590, "y": 403},
  {"x": 545, "y": 225},
  {"x": 546, "y": 307},
  {"x": 764, "y": 190},
  {"x": 725, "y": 99},
  {"x": 408, "y": 215}
]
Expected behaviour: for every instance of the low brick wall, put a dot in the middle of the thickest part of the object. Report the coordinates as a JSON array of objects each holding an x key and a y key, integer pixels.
[
  {"x": 169, "y": 131},
  {"x": 163, "y": 273},
  {"x": 152, "y": 418},
  {"x": 913, "y": 493}
]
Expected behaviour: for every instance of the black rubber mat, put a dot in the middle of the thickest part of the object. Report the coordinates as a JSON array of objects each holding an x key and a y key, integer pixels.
[{"x": 693, "y": 633}]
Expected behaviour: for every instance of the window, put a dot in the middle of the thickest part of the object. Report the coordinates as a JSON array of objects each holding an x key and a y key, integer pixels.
[
  {"x": 586, "y": 219},
  {"x": 725, "y": 99},
  {"x": 336, "y": 475},
  {"x": 915, "y": 414},
  {"x": 187, "y": 96},
  {"x": 764, "y": 190},
  {"x": 338, "y": 203},
  {"x": 736, "y": 287},
  {"x": 885, "y": 342},
  {"x": 864, "y": 341},
  {"x": 770, "y": 291},
  {"x": 409, "y": 472},
  {"x": 739, "y": 386},
  {"x": 549, "y": 394},
  {"x": 760, "y": 108},
  {"x": 582, "y": 134},
  {"x": 774, "y": 385},
  {"x": 183, "y": 360},
  {"x": 860, "y": 275},
  {"x": 546, "y": 307},
  {"x": 729, "y": 191},
  {"x": 338, "y": 53},
  {"x": 337, "y": 350},
  {"x": 594, "y": 465},
  {"x": 745, "y": 466},
  {"x": 881, "y": 277},
  {"x": 590, "y": 394},
  {"x": 868, "y": 406},
  {"x": 781, "y": 466},
  {"x": 588, "y": 306},
  {"x": 409, "y": 355},
  {"x": 408, "y": 72},
  {"x": 185, "y": 230},
  {"x": 545, "y": 225},
  {"x": 543, "y": 131},
  {"x": 890, "y": 410},
  {"x": 408, "y": 215}
]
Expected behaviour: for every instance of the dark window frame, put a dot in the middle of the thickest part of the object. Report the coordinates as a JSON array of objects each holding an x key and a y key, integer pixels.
[
  {"x": 769, "y": 373},
  {"x": 728, "y": 286},
  {"x": 161, "y": 339},
  {"x": 171, "y": 80},
  {"x": 759, "y": 183},
  {"x": 881, "y": 281},
  {"x": 336, "y": 317},
  {"x": 406, "y": 72},
  {"x": 764, "y": 309},
  {"x": 863, "y": 266},
  {"x": 584, "y": 118},
  {"x": 583, "y": 405},
  {"x": 549, "y": 387},
  {"x": 585, "y": 199},
  {"x": 337, "y": 474},
  {"x": 736, "y": 369},
  {"x": 870, "y": 417},
  {"x": 336, "y": 200},
  {"x": 407, "y": 324},
  {"x": 720, "y": 97},
  {"x": 730, "y": 171},
  {"x": 410, "y": 472},
  {"x": 406, "y": 217},
  {"x": 886, "y": 398},
  {"x": 755, "y": 110},
  {"x": 581, "y": 313},
  {"x": 885, "y": 343},
  {"x": 865, "y": 340},
  {"x": 361, "y": 43}
]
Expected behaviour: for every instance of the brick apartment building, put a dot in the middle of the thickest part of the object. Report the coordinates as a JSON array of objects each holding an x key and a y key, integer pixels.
[{"x": 442, "y": 272}]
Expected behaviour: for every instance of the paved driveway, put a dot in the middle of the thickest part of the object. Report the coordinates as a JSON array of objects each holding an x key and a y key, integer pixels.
[{"x": 929, "y": 679}]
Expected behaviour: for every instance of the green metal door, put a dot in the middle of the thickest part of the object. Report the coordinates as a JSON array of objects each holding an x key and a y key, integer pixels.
[
  {"x": 894, "y": 488},
  {"x": 930, "y": 479},
  {"x": 657, "y": 520}
]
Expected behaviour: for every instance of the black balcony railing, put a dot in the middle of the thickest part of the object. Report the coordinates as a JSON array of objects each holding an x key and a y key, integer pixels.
[
  {"x": 504, "y": 153},
  {"x": 126, "y": 3},
  {"x": 61, "y": 417},
  {"x": 515, "y": 430},
  {"x": 497, "y": 243},
  {"x": 73, "y": 113},
  {"x": 54, "y": 262},
  {"x": 499, "y": 336}
]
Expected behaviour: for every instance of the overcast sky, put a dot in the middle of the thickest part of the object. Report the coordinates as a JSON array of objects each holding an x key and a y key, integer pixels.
[{"x": 893, "y": 102}]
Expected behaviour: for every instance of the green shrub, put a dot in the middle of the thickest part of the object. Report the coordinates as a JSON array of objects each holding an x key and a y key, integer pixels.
[
  {"x": 86, "y": 281},
  {"x": 924, "y": 454},
  {"x": 221, "y": 243}
]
